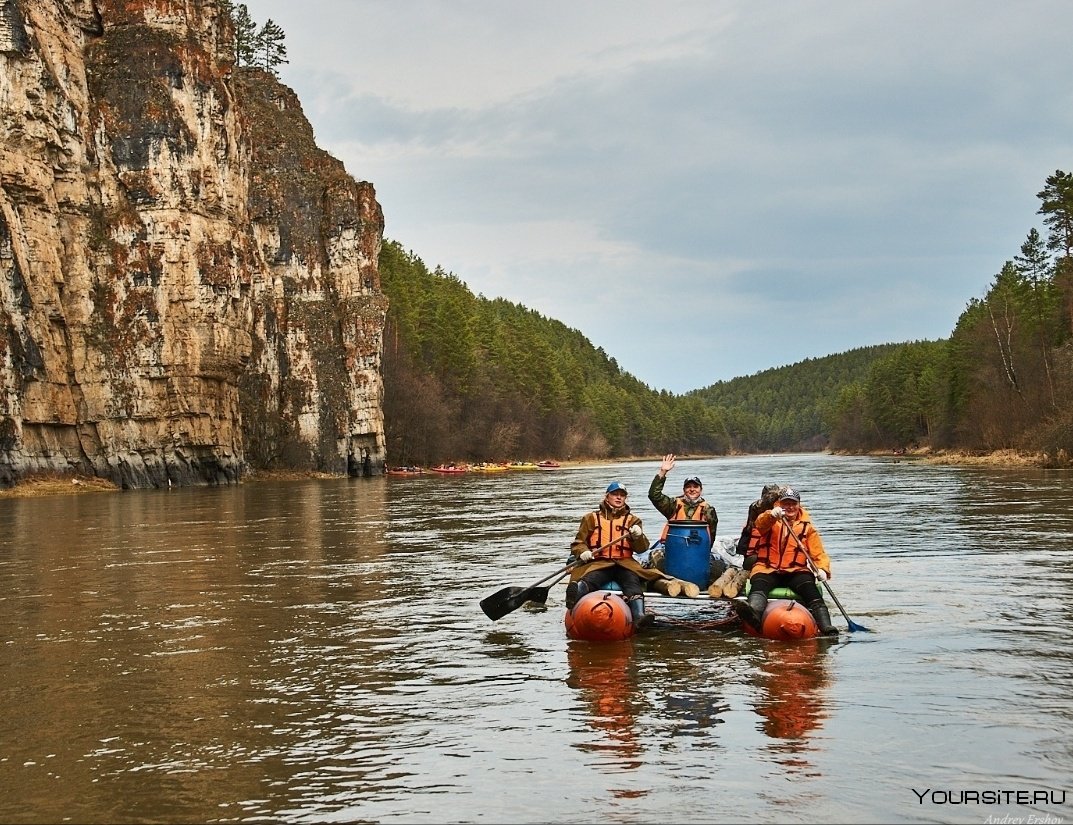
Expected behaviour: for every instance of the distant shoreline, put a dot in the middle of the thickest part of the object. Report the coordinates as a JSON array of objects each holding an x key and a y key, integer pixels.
[
  {"x": 994, "y": 458},
  {"x": 49, "y": 485}
]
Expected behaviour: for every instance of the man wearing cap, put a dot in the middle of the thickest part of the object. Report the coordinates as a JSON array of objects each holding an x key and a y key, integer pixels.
[
  {"x": 790, "y": 553},
  {"x": 605, "y": 544},
  {"x": 690, "y": 506}
]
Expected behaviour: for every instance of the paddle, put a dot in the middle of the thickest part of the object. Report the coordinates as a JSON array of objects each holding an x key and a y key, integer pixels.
[
  {"x": 509, "y": 599},
  {"x": 539, "y": 595},
  {"x": 853, "y": 626}
]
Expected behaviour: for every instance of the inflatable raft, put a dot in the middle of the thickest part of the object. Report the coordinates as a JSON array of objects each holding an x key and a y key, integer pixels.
[
  {"x": 785, "y": 619},
  {"x": 604, "y": 616}
]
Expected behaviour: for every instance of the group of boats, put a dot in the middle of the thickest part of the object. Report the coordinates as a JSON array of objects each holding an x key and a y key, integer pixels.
[{"x": 482, "y": 467}]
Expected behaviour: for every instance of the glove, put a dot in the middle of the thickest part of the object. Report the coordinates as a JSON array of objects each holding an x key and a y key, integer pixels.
[
  {"x": 586, "y": 556},
  {"x": 821, "y": 574},
  {"x": 778, "y": 512},
  {"x": 636, "y": 531},
  {"x": 748, "y": 563}
]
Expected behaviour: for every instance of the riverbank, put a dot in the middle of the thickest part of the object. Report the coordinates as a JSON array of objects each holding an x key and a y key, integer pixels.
[
  {"x": 57, "y": 485},
  {"x": 994, "y": 458},
  {"x": 51, "y": 485}
]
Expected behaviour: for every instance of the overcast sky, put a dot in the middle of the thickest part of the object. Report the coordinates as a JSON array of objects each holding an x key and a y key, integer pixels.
[{"x": 705, "y": 189}]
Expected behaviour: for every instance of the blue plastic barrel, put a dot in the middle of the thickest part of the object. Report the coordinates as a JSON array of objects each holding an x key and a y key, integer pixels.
[{"x": 687, "y": 552}]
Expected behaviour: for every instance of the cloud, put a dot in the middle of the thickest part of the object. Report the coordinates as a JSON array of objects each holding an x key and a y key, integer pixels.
[{"x": 699, "y": 171}]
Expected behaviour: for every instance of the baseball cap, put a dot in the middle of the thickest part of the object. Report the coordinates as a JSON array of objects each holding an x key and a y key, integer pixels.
[
  {"x": 691, "y": 480},
  {"x": 789, "y": 493},
  {"x": 615, "y": 486}
]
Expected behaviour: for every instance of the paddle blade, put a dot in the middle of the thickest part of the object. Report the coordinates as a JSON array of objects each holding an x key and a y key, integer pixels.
[
  {"x": 509, "y": 599},
  {"x": 502, "y": 602},
  {"x": 538, "y": 595},
  {"x": 854, "y": 627}
]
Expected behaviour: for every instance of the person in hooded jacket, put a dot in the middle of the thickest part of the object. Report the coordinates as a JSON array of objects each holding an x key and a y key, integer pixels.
[
  {"x": 750, "y": 537},
  {"x": 788, "y": 543},
  {"x": 600, "y": 564}
]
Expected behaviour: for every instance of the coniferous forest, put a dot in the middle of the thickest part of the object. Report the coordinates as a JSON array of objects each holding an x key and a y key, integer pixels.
[{"x": 477, "y": 379}]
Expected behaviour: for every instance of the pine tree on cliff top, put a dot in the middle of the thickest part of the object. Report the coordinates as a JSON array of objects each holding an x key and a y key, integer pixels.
[{"x": 270, "y": 48}]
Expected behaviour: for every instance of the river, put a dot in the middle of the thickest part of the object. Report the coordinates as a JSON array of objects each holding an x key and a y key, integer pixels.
[{"x": 313, "y": 651}]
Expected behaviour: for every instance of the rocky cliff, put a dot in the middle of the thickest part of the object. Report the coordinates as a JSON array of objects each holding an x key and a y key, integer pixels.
[{"x": 188, "y": 285}]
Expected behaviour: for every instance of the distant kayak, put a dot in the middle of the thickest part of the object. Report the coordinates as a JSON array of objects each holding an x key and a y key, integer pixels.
[{"x": 450, "y": 469}]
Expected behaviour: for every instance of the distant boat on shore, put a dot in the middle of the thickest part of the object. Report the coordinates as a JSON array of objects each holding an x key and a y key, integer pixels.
[
  {"x": 451, "y": 469},
  {"x": 406, "y": 471}
]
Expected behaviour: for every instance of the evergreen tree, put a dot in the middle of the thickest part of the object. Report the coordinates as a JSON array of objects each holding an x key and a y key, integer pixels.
[
  {"x": 270, "y": 48},
  {"x": 246, "y": 37},
  {"x": 1035, "y": 267},
  {"x": 1033, "y": 262},
  {"x": 1057, "y": 209}
]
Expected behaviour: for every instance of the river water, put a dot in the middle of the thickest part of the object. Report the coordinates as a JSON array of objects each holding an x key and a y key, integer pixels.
[{"x": 313, "y": 651}]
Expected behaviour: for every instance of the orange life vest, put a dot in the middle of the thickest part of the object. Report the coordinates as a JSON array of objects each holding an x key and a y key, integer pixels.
[
  {"x": 606, "y": 530},
  {"x": 788, "y": 555},
  {"x": 680, "y": 515},
  {"x": 755, "y": 540}
]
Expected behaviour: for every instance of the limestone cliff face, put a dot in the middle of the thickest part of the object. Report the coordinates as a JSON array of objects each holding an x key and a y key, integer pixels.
[{"x": 188, "y": 285}]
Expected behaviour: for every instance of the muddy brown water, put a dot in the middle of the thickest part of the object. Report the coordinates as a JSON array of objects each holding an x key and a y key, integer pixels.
[{"x": 313, "y": 651}]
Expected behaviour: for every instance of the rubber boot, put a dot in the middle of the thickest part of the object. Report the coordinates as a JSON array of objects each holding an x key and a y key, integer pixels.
[
  {"x": 823, "y": 618},
  {"x": 637, "y": 610},
  {"x": 753, "y": 609},
  {"x": 574, "y": 591}
]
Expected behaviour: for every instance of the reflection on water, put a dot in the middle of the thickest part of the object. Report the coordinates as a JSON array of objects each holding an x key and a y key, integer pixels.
[
  {"x": 313, "y": 651},
  {"x": 791, "y": 683},
  {"x": 604, "y": 679}
]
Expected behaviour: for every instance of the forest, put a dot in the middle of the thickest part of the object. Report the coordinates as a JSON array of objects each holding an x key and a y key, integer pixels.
[{"x": 468, "y": 378}]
